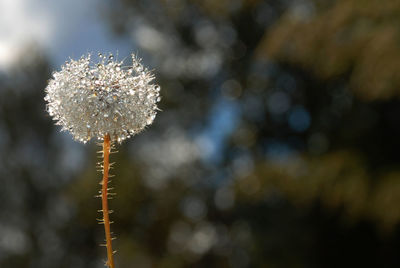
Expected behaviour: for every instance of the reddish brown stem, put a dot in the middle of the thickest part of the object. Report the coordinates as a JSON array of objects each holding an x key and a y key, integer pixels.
[{"x": 104, "y": 199}]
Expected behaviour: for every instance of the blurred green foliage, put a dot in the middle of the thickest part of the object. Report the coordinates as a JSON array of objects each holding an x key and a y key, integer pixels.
[{"x": 357, "y": 39}]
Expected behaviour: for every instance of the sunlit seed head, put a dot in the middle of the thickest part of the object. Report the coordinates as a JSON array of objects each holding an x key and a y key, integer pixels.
[{"x": 93, "y": 99}]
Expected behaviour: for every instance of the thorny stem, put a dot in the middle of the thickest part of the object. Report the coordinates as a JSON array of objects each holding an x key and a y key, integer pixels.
[{"x": 104, "y": 199}]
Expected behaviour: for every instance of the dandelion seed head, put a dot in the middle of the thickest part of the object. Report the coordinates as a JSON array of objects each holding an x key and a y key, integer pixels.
[{"x": 91, "y": 99}]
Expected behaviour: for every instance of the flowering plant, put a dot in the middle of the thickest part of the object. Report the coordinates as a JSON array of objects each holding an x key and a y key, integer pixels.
[{"x": 103, "y": 100}]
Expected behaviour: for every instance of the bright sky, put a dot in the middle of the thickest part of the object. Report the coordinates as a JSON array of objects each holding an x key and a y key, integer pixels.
[{"x": 63, "y": 28}]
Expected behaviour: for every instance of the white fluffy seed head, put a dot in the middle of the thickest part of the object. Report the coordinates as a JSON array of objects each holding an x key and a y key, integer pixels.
[{"x": 91, "y": 100}]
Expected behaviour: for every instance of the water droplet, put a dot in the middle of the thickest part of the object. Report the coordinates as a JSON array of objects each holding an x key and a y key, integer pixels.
[{"x": 109, "y": 99}]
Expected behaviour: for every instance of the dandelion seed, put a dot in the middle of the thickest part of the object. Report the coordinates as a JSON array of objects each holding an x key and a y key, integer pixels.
[{"x": 91, "y": 99}]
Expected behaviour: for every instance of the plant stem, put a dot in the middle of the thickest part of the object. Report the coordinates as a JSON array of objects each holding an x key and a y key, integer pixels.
[{"x": 104, "y": 199}]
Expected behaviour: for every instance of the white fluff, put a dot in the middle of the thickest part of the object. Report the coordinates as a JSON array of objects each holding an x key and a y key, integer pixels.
[{"x": 92, "y": 100}]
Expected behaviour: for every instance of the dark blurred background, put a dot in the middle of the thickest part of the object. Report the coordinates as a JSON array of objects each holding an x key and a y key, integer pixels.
[{"x": 277, "y": 145}]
